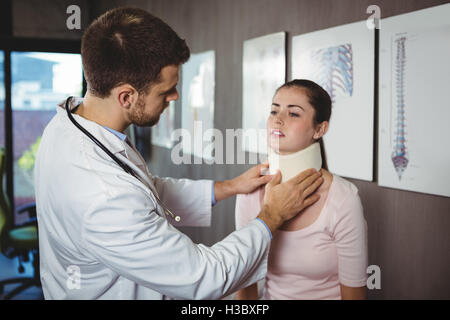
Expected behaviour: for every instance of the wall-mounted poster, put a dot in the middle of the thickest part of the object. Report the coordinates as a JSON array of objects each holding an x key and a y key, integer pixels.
[
  {"x": 264, "y": 70},
  {"x": 197, "y": 102},
  {"x": 342, "y": 60},
  {"x": 162, "y": 131},
  {"x": 415, "y": 101}
]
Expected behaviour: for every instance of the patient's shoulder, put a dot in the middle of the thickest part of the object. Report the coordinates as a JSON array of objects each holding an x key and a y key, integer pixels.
[
  {"x": 346, "y": 205},
  {"x": 344, "y": 190}
]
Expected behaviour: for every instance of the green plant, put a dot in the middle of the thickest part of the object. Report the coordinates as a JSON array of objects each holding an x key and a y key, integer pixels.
[{"x": 26, "y": 161}]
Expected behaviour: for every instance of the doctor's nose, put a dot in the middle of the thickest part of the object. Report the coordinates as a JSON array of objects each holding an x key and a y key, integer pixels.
[{"x": 172, "y": 97}]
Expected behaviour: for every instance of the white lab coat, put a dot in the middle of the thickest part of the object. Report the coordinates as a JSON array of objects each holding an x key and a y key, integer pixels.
[{"x": 102, "y": 237}]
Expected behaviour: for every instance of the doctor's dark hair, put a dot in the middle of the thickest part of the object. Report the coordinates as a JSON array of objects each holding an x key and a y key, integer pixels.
[
  {"x": 128, "y": 45},
  {"x": 321, "y": 102}
]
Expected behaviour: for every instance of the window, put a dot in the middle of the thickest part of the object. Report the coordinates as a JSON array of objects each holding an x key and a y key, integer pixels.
[{"x": 39, "y": 81}]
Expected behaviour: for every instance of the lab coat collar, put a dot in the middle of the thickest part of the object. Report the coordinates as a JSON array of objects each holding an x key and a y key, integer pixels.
[{"x": 109, "y": 139}]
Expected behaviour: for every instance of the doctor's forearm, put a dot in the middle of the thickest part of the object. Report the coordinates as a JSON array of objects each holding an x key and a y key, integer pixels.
[
  {"x": 224, "y": 189},
  {"x": 247, "y": 182}
]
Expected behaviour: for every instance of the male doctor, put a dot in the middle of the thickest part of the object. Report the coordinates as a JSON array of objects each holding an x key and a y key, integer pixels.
[{"x": 105, "y": 233}]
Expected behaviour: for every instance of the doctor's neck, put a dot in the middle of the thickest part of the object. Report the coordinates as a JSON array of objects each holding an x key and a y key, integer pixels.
[{"x": 103, "y": 111}]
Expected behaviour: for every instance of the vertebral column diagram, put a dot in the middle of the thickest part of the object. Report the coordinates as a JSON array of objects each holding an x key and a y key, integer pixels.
[{"x": 400, "y": 157}]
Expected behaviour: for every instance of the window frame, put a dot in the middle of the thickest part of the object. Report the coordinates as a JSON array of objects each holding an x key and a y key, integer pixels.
[{"x": 8, "y": 44}]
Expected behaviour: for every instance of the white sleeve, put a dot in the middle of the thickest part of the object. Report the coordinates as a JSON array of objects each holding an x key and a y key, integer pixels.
[
  {"x": 189, "y": 199},
  {"x": 123, "y": 231}
]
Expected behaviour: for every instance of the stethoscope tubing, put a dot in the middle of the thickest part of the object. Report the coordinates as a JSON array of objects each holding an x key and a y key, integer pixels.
[{"x": 124, "y": 166}]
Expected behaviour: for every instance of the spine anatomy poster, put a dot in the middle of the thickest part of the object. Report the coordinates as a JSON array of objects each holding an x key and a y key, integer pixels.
[{"x": 414, "y": 108}]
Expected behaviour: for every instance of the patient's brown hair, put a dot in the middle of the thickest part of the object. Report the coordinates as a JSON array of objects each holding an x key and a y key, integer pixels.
[{"x": 128, "y": 45}]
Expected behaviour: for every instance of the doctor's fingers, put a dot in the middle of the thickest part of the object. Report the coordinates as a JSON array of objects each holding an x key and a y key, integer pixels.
[
  {"x": 310, "y": 185},
  {"x": 264, "y": 180},
  {"x": 259, "y": 169},
  {"x": 309, "y": 201},
  {"x": 276, "y": 179},
  {"x": 263, "y": 167},
  {"x": 307, "y": 176},
  {"x": 256, "y": 183}
]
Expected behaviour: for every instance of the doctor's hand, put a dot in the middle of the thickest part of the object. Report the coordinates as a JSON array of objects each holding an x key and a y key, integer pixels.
[
  {"x": 247, "y": 182},
  {"x": 284, "y": 201}
]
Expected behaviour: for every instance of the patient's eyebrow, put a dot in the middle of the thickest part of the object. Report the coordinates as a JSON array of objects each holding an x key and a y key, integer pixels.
[
  {"x": 289, "y": 106},
  {"x": 295, "y": 105}
]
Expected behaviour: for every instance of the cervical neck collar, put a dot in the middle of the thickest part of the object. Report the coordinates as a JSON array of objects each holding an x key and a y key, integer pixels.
[{"x": 292, "y": 164}]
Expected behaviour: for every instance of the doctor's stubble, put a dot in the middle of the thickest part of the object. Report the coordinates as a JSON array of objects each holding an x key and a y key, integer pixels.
[{"x": 139, "y": 117}]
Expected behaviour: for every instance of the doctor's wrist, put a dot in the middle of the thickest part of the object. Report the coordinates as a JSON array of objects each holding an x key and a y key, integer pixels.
[
  {"x": 271, "y": 219},
  {"x": 224, "y": 189}
]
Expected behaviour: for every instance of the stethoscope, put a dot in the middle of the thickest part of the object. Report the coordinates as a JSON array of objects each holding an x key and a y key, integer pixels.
[{"x": 123, "y": 165}]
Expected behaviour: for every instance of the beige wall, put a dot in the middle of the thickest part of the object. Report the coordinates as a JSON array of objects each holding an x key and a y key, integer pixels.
[{"x": 408, "y": 232}]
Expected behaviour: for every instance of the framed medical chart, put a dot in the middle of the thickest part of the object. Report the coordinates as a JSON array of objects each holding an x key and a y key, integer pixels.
[
  {"x": 162, "y": 131},
  {"x": 263, "y": 71},
  {"x": 414, "y": 108},
  {"x": 342, "y": 60},
  {"x": 197, "y": 102}
]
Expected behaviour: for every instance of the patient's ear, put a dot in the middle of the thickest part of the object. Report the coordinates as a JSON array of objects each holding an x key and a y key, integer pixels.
[{"x": 321, "y": 129}]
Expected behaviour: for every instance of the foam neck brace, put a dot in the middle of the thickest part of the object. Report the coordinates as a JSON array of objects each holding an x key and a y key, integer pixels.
[{"x": 292, "y": 164}]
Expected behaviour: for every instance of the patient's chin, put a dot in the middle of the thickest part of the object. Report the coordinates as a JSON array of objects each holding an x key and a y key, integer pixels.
[{"x": 281, "y": 147}]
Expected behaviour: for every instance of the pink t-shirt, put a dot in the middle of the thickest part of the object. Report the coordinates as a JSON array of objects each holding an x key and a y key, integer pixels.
[{"x": 310, "y": 263}]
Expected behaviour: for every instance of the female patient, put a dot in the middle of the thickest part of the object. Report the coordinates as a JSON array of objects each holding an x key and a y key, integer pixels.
[{"x": 321, "y": 253}]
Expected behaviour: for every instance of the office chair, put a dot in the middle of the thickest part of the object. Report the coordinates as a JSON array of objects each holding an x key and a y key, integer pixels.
[{"x": 18, "y": 241}]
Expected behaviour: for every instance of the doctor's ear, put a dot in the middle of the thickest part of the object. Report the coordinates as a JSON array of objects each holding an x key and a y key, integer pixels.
[
  {"x": 322, "y": 129},
  {"x": 126, "y": 95}
]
